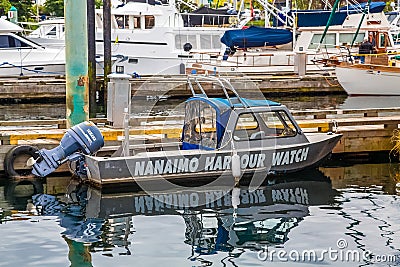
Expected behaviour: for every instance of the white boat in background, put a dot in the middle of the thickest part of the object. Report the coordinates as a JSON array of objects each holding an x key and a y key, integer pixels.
[
  {"x": 156, "y": 39},
  {"x": 152, "y": 36},
  {"x": 20, "y": 56},
  {"x": 50, "y": 33},
  {"x": 379, "y": 75},
  {"x": 368, "y": 79},
  {"x": 335, "y": 46}
]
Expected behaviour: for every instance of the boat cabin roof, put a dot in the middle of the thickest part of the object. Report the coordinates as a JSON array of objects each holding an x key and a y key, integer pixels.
[
  {"x": 7, "y": 26},
  {"x": 223, "y": 104}
]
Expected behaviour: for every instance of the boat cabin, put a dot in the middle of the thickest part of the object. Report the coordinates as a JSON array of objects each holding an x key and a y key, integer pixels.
[
  {"x": 344, "y": 35},
  {"x": 214, "y": 123},
  {"x": 50, "y": 29},
  {"x": 9, "y": 38}
]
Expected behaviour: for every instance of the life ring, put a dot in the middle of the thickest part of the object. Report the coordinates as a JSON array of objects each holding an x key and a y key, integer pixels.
[
  {"x": 13, "y": 154},
  {"x": 233, "y": 20}
]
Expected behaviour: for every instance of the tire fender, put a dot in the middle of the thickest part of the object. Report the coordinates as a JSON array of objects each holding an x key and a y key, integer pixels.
[{"x": 13, "y": 154}]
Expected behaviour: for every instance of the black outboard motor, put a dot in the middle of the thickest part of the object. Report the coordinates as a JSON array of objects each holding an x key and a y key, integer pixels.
[{"x": 85, "y": 138}]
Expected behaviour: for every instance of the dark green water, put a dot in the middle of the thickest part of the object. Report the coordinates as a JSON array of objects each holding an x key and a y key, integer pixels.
[{"x": 342, "y": 216}]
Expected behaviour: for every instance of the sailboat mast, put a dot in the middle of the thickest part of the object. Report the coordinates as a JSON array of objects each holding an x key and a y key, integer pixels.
[
  {"x": 329, "y": 22},
  {"x": 366, "y": 10}
]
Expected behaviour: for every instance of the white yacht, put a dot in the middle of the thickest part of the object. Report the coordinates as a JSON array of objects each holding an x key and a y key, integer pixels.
[
  {"x": 152, "y": 36},
  {"x": 20, "y": 56},
  {"x": 156, "y": 39}
]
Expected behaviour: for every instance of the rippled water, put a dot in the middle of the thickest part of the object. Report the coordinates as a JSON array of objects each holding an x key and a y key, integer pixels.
[{"x": 342, "y": 216}]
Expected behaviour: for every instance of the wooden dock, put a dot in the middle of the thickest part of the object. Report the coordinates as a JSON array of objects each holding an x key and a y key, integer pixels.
[{"x": 33, "y": 88}]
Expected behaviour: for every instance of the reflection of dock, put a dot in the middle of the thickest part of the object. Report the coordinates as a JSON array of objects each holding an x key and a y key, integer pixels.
[{"x": 365, "y": 175}]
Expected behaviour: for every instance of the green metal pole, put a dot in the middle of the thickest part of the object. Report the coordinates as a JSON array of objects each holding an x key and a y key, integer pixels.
[
  {"x": 76, "y": 65},
  {"x": 79, "y": 254},
  {"x": 361, "y": 21},
  {"x": 329, "y": 20}
]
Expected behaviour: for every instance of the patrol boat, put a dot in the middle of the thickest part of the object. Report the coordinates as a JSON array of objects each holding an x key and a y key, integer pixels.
[{"x": 231, "y": 136}]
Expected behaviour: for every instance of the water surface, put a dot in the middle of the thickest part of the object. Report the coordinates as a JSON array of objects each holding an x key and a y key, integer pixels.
[{"x": 352, "y": 210}]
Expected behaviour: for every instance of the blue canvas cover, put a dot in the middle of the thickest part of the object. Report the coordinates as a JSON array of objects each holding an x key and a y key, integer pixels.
[
  {"x": 256, "y": 37},
  {"x": 374, "y": 7},
  {"x": 320, "y": 17}
]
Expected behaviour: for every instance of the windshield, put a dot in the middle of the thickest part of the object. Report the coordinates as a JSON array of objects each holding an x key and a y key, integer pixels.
[{"x": 260, "y": 125}]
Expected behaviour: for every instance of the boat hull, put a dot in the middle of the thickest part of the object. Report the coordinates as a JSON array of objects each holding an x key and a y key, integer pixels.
[
  {"x": 369, "y": 79},
  {"x": 187, "y": 164},
  {"x": 56, "y": 68}
]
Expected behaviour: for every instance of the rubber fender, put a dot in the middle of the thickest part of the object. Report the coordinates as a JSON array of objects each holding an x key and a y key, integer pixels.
[{"x": 13, "y": 154}]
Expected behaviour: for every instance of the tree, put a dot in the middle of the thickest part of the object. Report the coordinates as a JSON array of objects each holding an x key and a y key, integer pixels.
[
  {"x": 98, "y": 3},
  {"x": 4, "y": 7},
  {"x": 24, "y": 9},
  {"x": 54, "y": 8}
]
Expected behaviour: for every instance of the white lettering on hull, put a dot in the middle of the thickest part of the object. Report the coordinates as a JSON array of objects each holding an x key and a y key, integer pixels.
[
  {"x": 289, "y": 156},
  {"x": 185, "y": 165}
]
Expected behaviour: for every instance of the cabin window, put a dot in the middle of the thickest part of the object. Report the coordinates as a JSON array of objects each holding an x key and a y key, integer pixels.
[
  {"x": 149, "y": 22},
  {"x": 216, "y": 43},
  {"x": 205, "y": 41},
  {"x": 192, "y": 40},
  {"x": 382, "y": 40},
  {"x": 4, "y": 42},
  {"x": 122, "y": 21},
  {"x": 246, "y": 125},
  {"x": 181, "y": 39},
  {"x": 329, "y": 40},
  {"x": 261, "y": 125},
  {"x": 347, "y": 38},
  {"x": 8, "y": 41},
  {"x": 52, "y": 32},
  {"x": 136, "y": 22},
  {"x": 133, "y": 61},
  {"x": 280, "y": 122},
  {"x": 200, "y": 124}
]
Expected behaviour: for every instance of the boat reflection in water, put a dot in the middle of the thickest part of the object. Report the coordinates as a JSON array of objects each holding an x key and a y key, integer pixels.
[
  {"x": 220, "y": 218},
  {"x": 211, "y": 225}
]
